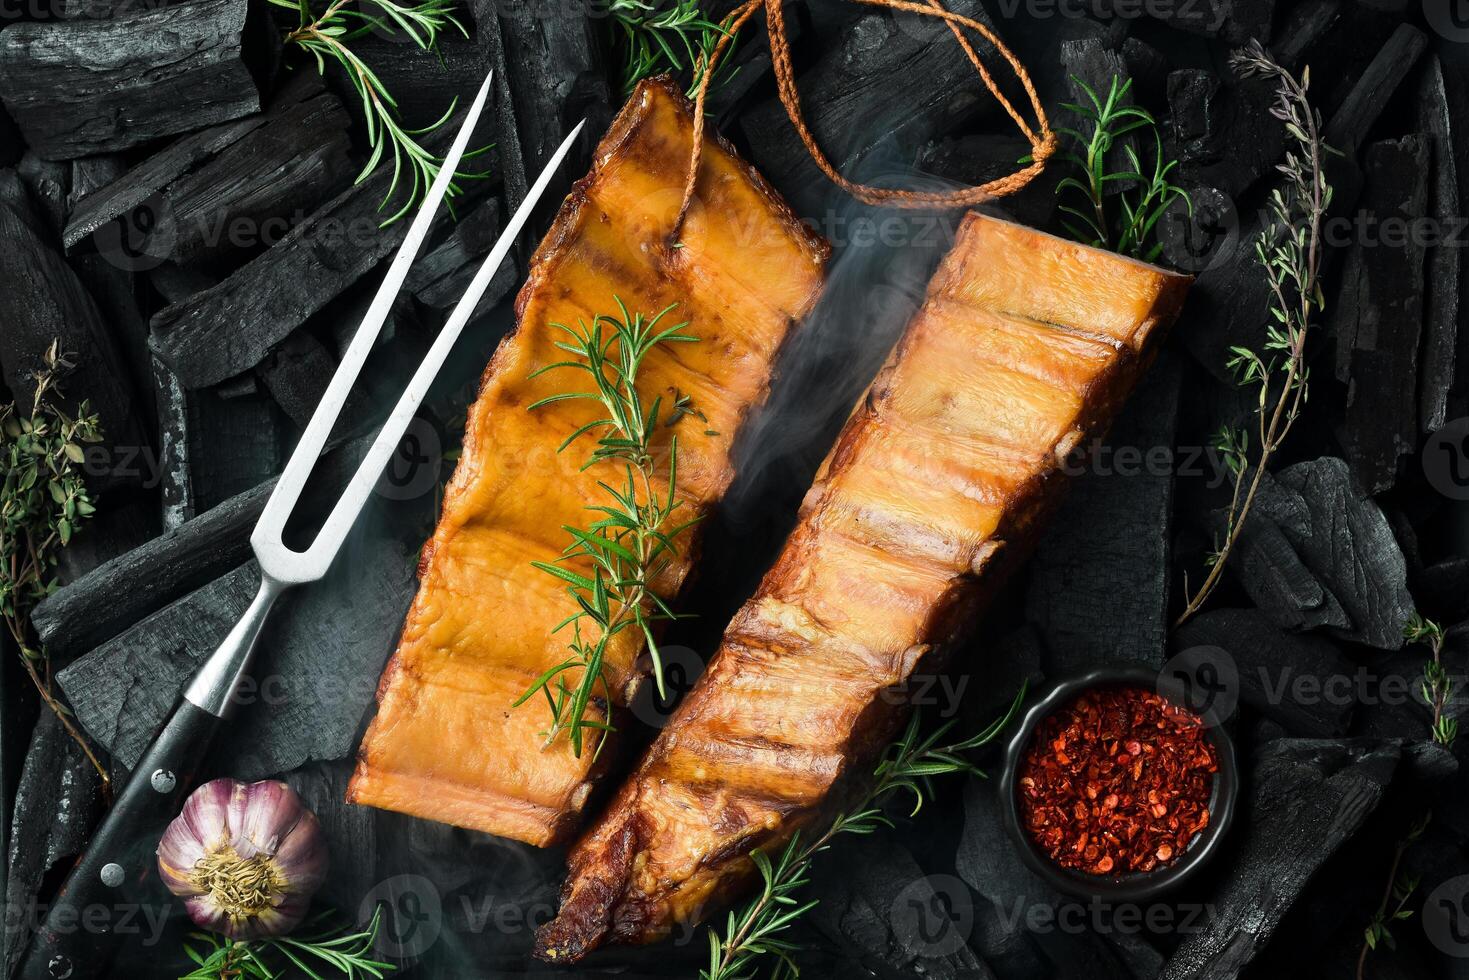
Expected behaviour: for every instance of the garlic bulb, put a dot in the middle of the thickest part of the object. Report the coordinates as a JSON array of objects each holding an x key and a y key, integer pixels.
[{"x": 245, "y": 858}]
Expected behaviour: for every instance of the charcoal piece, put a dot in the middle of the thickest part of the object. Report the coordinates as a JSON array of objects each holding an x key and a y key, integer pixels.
[
  {"x": 1148, "y": 69},
  {"x": 98, "y": 606},
  {"x": 1232, "y": 21},
  {"x": 176, "y": 486},
  {"x": 1229, "y": 139},
  {"x": 1442, "y": 263},
  {"x": 1305, "y": 798},
  {"x": 10, "y": 142},
  {"x": 1341, "y": 540},
  {"x": 50, "y": 185},
  {"x": 1306, "y": 22},
  {"x": 1394, "y": 706},
  {"x": 58, "y": 799},
  {"x": 43, "y": 302},
  {"x": 550, "y": 72},
  {"x": 976, "y": 159},
  {"x": 440, "y": 277},
  {"x": 320, "y": 657},
  {"x": 297, "y": 373},
  {"x": 861, "y": 102},
  {"x": 229, "y": 328},
  {"x": 243, "y": 385},
  {"x": 889, "y": 918},
  {"x": 1349, "y": 125},
  {"x": 1099, "y": 581},
  {"x": 177, "y": 284},
  {"x": 1299, "y": 680},
  {"x": 232, "y": 444},
  {"x": 350, "y": 833},
  {"x": 90, "y": 86},
  {"x": 1378, "y": 314},
  {"x": 245, "y": 196},
  {"x": 15, "y": 196}
]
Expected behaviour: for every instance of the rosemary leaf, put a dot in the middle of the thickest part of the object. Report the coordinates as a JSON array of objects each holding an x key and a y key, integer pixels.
[{"x": 619, "y": 555}]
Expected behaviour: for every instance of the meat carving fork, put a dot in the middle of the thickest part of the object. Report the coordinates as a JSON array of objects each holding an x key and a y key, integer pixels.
[{"x": 80, "y": 931}]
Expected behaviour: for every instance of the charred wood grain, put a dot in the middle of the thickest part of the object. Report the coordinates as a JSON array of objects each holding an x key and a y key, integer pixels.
[
  {"x": 440, "y": 277},
  {"x": 1377, "y": 318},
  {"x": 1444, "y": 259},
  {"x": 229, "y": 328},
  {"x": 890, "y": 85},
  {"x": 88, "y": 86},
  {"x": 1099, "y": 580},
  {"x": 175, "y": 487},
  {"x": 551, "y": 71},
  {"x": 1307, "y": 797},
  {"x": 1314, "y": 553},
  {"x": 242, "y": 197},
  {"x": 49, "y": 182},
  {"x": 233, "y": 444},
  {"x": 43, "y": 302},
  {"x": 1272, "y": 665}
]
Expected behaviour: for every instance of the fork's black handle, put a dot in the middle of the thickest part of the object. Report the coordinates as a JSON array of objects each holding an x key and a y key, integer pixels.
[{"x": 109, "y": 891}]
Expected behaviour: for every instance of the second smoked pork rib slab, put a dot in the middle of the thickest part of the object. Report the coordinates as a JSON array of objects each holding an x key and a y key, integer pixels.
[
  {"x": 446, "y": 743},
  {"x": 1025, "y": 346}
]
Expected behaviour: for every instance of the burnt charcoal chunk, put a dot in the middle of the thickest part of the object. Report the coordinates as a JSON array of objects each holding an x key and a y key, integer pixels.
[
  {"x": 1305, "y": 798},
  {"x": 234, "y": 444},
  {"x": 1315, "y": 553},
  {"x": 175, "y": 485},
  {"x": 863, "y": 95},
  {"x": 441, "y": 277},
  {"x": 550, "y": 72},
  {"x": 321, "y": 654},
  {"x": 297, "y": 373},
  {"x": 1299, "y": 680},
  {"x": 43, "y": 302},
  {"x": 50, "y": 185},
  {"x": 245, "y": 196},
  {"x": 1378, "y": 315},
  {"x": 229, "y": 328},
  {"x": 58, "y": 798},
  {"x": 80, "y": 87},
  {"x": 1443, "y": 264},
  {"x": 889, "y": 918},
  {"x": 1099, "y": 581}
]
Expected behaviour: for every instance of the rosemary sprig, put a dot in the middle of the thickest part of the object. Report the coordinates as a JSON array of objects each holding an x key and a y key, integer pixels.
[
  {"x": 1394, "y": 904},
  {"x": 1437, "y": 686},
  {"x": 636, "y": 537},
  {"x": 328, "y": 35},
  {"x": 1146, "y": 195},
  {"x": 1290, "y": 255},
  {"x": 757, "y": 932},
  {"x": 658, "y": 36},
  {"x": 340, "y": 953},
  {"x": 43, "y": 500}
]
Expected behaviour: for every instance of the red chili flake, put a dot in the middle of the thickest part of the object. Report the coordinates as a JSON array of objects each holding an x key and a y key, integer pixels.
[{"x": 1130, "y": 791}]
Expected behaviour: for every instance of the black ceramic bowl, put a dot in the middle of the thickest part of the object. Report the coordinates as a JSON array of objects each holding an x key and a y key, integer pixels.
[{"x": 1134, "y": 886}]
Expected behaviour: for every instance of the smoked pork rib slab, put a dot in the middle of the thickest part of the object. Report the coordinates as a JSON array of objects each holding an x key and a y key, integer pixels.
[
  {"x": 1024, "y": 347},
  {"x": 446, "y": 743}
]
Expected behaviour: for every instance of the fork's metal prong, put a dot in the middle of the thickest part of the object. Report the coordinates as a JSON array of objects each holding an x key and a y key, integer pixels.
[
  {"x": 334, "y": 530},
  {"x": 275, "y": 558}
]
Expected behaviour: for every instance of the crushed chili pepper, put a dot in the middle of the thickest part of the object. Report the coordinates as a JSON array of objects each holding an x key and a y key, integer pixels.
[{"x": 1117, "y": 780}]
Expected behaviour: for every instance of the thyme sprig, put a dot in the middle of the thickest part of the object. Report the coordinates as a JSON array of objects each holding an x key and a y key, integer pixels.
[
  {"x": 328, "y": 35},
  {"x": 636, "y": 537},
  {"x": 667, "y": 35},
  {"x": 43, "y": 500},
  {"x": 1393, "y": 906},
  {"x": 1145, "y": 196},
  {"x": 1290, "y": 253},
  {"x": 756, "y": 932},
  {"x": 1437, "y": 686},
  {"x": 335, "y": 950}
]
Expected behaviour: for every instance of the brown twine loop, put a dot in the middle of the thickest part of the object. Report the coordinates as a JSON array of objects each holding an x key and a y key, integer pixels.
[{"x": 1042, "y": 140}]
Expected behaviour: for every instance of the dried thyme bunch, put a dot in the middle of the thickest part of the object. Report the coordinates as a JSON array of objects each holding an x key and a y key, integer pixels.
[
  {"x": 43, "y": 501},
  {"x": 1290, "y": 253}
]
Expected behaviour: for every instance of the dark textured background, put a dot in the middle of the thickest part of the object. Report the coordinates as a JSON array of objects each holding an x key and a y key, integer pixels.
[{"x": 162, "y": 229}]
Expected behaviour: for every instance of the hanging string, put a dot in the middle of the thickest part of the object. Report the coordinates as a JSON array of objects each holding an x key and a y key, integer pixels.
[{"x": 1042, "y": 140}]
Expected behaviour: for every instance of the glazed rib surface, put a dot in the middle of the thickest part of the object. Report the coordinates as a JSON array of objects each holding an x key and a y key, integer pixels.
[
  {"x": 446, "y": 743},
  {"x": 1025, "y": 345}
]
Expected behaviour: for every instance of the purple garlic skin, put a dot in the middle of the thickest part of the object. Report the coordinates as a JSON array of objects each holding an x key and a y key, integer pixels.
[{"x": 245, "y": 858}]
